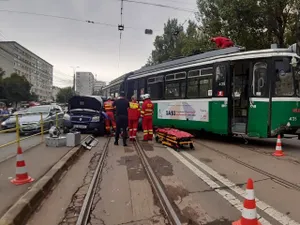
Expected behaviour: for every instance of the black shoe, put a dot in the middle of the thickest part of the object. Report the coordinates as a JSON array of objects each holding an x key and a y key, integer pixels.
[
  {"x": 124, "y": 144},
  {"x": 116, "y": 143}
]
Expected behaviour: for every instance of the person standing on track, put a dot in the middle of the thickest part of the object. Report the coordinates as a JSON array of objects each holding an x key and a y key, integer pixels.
[
  {"x": 133, "y": 118},
  {"x": 147, "y": 113},
  {"x": 109, "y": 110},
  {"x": 121, "y": 105}
]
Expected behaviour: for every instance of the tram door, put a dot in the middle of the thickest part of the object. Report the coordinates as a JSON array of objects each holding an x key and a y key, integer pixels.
[{"x": 240, "y": 74}]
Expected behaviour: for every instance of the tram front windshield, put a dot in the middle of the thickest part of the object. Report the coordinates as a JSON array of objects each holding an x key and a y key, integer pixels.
[{"x": 284, "y": 82}]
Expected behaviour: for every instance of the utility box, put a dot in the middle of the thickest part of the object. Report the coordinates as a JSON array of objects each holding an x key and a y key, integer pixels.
[
  {"x": 56, "y": 142},
  {"x": 73, "y": 139}
]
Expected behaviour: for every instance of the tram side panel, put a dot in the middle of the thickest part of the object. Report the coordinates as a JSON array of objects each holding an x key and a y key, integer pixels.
[
  {"x": 258, "y": 117},
  {"x": 285, "y": 115}
]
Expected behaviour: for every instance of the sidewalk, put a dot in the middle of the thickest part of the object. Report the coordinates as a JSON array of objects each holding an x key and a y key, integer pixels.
[{"x": 38, "y": 161}]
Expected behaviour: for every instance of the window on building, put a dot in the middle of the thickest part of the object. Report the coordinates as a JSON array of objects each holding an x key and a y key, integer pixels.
[
  {"x": 259, "y": 82},
  {"x": 175, "y": 85},
  {"x": 284, "y": 83},
  {"x": 200, "y": 83},
  {"x": 155, "y": 87}
]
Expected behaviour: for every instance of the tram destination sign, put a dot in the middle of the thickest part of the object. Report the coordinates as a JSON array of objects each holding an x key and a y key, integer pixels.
[{"x": 183, "y": 110}]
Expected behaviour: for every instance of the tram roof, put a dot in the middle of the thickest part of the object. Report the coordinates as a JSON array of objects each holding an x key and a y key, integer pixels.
[{"x": 205, "y": 57}]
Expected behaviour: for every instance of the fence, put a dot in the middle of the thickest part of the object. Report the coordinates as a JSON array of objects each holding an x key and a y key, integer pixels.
[{"x": 39, "y": 127}]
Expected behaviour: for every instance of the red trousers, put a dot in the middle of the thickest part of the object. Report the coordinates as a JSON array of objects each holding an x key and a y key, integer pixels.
[
  {"x": 133, "y": 125},
  {"x": 147, "y": 128},
  {"x": 111, "y": 120}
]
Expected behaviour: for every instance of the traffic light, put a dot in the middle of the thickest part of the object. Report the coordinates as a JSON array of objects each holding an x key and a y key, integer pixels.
[{"x": 148, "y": 31}]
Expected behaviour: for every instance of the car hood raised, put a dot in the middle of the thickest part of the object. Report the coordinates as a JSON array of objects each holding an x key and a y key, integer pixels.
[{"x": 86, "y": 102}]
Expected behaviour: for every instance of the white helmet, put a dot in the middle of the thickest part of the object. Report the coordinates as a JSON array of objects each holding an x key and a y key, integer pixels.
[
  {"x": 109, "y": 98},
  {"x": 142, "y": 97},
  {"x": 146, "y": 96}
]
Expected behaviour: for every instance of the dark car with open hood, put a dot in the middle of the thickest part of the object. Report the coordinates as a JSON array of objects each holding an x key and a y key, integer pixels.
[{"x": 85, "y": 113}]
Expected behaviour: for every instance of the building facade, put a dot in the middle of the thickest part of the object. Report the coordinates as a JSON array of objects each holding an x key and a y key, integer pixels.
[
  {"x": 84, "y": 84},
  {"x": 98, "y": 86},
  {"x": 14, "y": 58}
]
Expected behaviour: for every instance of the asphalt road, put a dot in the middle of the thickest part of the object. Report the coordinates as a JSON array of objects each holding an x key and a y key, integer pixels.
[{"x": 11, "y": 150}]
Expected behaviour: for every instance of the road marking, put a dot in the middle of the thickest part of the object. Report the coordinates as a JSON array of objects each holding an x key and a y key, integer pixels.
[
  {"x": 217, "y": 188},
  {"x": 278, "y": 216}
]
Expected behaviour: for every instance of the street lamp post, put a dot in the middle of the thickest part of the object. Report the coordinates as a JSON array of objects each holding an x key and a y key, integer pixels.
[{"x": 74, "y": 78}]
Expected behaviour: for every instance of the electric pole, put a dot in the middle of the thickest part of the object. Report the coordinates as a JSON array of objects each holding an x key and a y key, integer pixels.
[{"x": 74, "y": 78}]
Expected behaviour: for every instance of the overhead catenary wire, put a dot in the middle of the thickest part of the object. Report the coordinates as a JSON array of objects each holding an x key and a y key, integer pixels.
[
  {"x": 69, "y": 18},
  {"x": 160, "y": 5}
]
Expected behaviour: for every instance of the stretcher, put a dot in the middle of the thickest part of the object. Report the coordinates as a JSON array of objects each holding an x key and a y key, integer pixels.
[{"x": 174, "y": 138}]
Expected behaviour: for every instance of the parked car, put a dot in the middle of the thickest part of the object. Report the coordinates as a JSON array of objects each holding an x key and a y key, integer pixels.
[
  {"x": 85, "y": 114},
  {"x": 10, "y": 122},
  {"x": 30, "y": 121}
]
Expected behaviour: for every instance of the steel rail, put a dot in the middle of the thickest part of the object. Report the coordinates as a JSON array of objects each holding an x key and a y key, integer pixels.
[
  {"x": 273, "y": 177},
  {"x": 159, "y": 191},
  {"x": 88, "y": 200}
]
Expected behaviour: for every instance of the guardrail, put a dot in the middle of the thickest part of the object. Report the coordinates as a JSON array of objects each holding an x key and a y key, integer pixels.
[{"x": 42, "y": 126}]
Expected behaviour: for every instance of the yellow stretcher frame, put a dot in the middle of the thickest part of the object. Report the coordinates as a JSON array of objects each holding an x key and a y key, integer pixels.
[{"x": 172, "y": 141}]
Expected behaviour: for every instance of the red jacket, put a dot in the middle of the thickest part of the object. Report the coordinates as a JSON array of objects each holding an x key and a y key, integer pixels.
[
  {"x": 108, "y": 106},
  {"x": 134, "y": 110},
  {"x": 147, "y": 109},
  {"x": 223, "y": 42}
]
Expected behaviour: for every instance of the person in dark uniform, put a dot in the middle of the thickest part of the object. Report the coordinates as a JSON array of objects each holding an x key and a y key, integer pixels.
[{"x": 121, "y": 105}]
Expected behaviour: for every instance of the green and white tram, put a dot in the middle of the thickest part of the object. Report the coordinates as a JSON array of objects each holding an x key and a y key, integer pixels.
[{"x": 228, "y": 91}]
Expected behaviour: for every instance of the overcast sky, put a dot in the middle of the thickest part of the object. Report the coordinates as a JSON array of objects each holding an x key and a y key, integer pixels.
[{"x": 92, "y": 47}]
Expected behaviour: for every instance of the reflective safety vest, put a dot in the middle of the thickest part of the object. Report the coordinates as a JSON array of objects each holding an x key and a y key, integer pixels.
[
  {"x": 147, "y": 109},
  {"x": 108, "y": 105},
  {"x": 133, "y": 110}
]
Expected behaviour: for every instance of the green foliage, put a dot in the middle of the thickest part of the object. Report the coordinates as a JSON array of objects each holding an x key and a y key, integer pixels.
[
  {"x": 33, "y": 97},
  {"x": 176, "y": 42},
  {"x": 16, "y": 88},
  {"x": 2, "y": 72},
  {"x": 64, "y": 95},
  {"x": 253, "y": 24},
  {"x": 250, "y": 23}
]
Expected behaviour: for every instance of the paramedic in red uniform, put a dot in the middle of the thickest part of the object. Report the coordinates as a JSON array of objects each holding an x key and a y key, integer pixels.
[
  {"x": 109, "y": 110},
  {"x": 147, "y": 113},
  {"x": 133, "y": 118},
  {"x": 222, "y": 42}
]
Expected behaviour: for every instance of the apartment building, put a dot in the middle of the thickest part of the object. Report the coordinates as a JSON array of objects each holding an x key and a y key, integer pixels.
[
  {"x": 14, "y": 58},
  {"x": 84, "y": 83},
  {"x": 98, "y": 85}
]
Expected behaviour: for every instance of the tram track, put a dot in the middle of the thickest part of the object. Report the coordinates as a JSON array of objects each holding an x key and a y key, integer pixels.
[
  {"x": 273, "y": 177},
  {"x": 85, "y": 212},
  {"x": 158, "y": 190}
]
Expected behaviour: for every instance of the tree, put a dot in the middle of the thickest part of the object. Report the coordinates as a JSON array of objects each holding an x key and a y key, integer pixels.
[
  {"x": 253, "y": 24},
  {"x": 176, "y": 42},
  {"x": 64, "y": 95},
  {"x": 16, "y": 88},
  {"x": 169, "y": 44},
  {"x": 33, "y": 97},
  {"x": 2, "y": 94}
]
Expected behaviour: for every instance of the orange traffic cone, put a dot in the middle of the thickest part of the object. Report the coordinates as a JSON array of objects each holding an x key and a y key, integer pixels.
[
  {"x": 21, "y": 171},
  {"x": 278, "y": 149},
  {"x": 249, "y": 216}
]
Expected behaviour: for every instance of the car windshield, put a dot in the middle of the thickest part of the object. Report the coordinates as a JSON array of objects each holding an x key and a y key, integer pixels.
[{"x": 38, "y": 109}]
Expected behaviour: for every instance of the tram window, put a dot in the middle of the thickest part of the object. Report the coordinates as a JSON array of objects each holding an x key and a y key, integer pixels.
[
  {"x": 284, "y": 83},
  {"x": 179, "y": 76},
  {"x": 193, "y": 88},
  {"x": 259, "y": 82},
  {"x": 205, "y": 86},
  {"x": 220, "y": 76},
  {"x": 172, "y": 90},
  {"x": 155, "y": 87}
]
